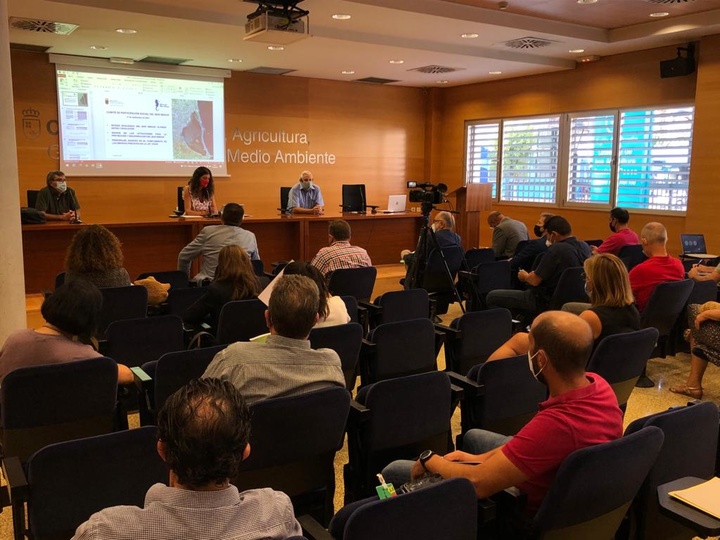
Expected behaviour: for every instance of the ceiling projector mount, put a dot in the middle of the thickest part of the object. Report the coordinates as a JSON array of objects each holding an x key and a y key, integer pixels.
[
  {"x": 279, "y": 22},
  {"x": 279, "y": 8}
]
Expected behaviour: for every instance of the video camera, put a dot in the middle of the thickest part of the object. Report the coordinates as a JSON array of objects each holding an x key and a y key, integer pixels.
[{"x": 427, "y": 193}]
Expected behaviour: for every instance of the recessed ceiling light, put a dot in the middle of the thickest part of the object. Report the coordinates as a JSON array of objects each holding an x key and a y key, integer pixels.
[
  {"x": 576, "y": 51},
  {"x": 341, "y": 16},
  {"x": 98, "y": 47},
  {"x": 234, "y": 60},
  {"x": 442, "y": 82},
  {"x": 494, "y": 72},
  {"x": 126, "y": 31},
  {"x": 588, "y": 58},
  {"x": 348, "y": 72},
  {"x": 469, "y": 36},
  {"x": 587, "y": 1},
  {"x": 276, "y": 48},
  {"x": 659, "y": 14},
  {"x": 397, "y": 61}
]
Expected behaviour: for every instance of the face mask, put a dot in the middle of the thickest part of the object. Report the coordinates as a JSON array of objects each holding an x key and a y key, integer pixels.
[
  {"x": 612, "y": 227},
  {"x": 433, "y": 227},
  {"x": 588, "y": 290},
  {"x": 538, "y": 231},
  {"x": 204, "y": 182},
  {"x": 532, "y": 367},
  {"x": 306, "y": 184},
  {"x": 60, "y": 185},
  {"x": 548, "y": 243}
]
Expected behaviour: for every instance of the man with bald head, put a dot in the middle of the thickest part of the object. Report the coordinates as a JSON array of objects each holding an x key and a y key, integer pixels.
[
  {"x": 582, "y": 411},
  {"x": 658, "y": 268}
]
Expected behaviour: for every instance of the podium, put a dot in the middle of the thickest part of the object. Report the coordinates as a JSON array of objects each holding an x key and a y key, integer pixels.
[{"x": 471, "y": 200}]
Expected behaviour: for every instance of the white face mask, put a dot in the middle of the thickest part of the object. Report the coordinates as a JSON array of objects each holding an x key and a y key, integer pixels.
[
  {"x": 434, "y": 227},
  {"x": 530, "y": 364},
  {"x": 548, "y": 243},
  {"x": 306, "y": 184},
  {"x": 60, "y": 185}
]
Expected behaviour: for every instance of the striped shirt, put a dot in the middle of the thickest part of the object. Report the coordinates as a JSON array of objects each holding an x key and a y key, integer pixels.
[{"x": 340, "y": 254}]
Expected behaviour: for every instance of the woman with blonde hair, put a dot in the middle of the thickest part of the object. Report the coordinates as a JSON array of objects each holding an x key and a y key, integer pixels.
[
  {"x": 611, "y": 310},
  {"x": 95, "y": 254},
  {"x": 234, "y": 280}
]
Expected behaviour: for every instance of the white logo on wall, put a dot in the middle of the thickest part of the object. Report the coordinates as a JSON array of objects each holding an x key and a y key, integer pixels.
[{"x": 273, "y": 149}]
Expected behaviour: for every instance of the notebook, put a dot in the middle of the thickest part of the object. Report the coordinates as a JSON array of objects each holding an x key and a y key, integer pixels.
[
  {"x": 704, "y": 496},
  {"x": 693, "y": 245},
  {"x": 396, "y": 203}
]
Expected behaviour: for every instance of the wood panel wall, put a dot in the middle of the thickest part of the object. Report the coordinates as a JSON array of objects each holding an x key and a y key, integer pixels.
[{"x": 377, "y": 135}]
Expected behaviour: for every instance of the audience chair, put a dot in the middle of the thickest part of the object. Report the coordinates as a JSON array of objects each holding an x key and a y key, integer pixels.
[
  {"x": 284, "y": 199},
  {"x": 446, "y": 510},
  {"x": 397, "y": 306},
  {"x": 631, "y": 256},
  {"x": 689, "y": 449},
  {"x": 621, "y": 358},
  {"x": 594, "y": 487},
  {"x": 662, "y": 310},
  {"x": 121, "y": 303},
  {"x": 159, "y": 379},
  {"x": 357, "y": 314},
  {"x": 476, "y": 256},
  {"x": 32, "y": 195},
  {"x": 434, "y": 279},
  {"x": 357, "y": 282},
  {"x": 258, "y": 267},
  {"x": 597, "y": 242},
  {"x": 395, "y": 419},
  {"x": 68, "y": 482},
  {"x": 473, "y": 337},
  {"x": 500, "y": 396},
  {"x": 176, "y": 278},
  {"x": 179, "y": 300},
  {"x": 293, "y": 441},
  {"x": 50, "y": 403},
  {"x": 484, "y": 278},
  {"x": 570, "y": 288},
  {"x": 345, "y": 340},
  {"x": 241, "y": 320},
  {"x": 135, "y": 341},
  {"x": 397, "y": 349},
  {"x": 59, "y": 279},
  {"x": 702, "y": 291}
]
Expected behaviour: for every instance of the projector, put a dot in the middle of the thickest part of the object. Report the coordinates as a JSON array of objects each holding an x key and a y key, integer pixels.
[{"x": 276, "y": 28}]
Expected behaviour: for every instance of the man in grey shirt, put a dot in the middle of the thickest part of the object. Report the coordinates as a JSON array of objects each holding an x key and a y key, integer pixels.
[
  {"x": 285, "y": 365},
  {"x": 213, "y": 238},
  {"x": 506, "y": 234},
  {"x": 204, "y": 431}
]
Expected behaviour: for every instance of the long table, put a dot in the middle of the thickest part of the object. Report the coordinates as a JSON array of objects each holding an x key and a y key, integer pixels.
[{"x": 154, "y": 245}]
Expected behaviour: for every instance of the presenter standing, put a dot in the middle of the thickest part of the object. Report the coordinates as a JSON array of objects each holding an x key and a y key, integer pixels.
[
  {"x": 305, "y": 196},
  {"x": 199, "y": 194},
  {"x": 56, "y": 200}
]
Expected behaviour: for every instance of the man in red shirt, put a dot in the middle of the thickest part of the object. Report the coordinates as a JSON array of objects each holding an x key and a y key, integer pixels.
[
  {"x": 622, "y": 235},
  {"x": 658, "y": 268}
]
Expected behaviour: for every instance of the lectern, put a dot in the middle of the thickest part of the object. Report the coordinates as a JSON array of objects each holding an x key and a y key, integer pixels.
[{"x": 471, "y": 200}]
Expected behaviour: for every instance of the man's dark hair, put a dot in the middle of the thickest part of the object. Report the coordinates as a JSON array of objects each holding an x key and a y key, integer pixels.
[
  {"x": 569, "y": 352},
  {"x": 51, "y": 176},
  {"x": 558, "y": 224},
  {"x": 293, "y": 307},
  {"x": 622, "y": 215},
  {"x": 205, "y": 427},
  {"x": 339, "y": 229},
  {"x": 232, "y": 214},
  {"x": 74, "y": 308}
]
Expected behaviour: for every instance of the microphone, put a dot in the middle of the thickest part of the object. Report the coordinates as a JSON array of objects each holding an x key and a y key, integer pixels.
[
  {"x": 363, "y": 209},
  {"x": 71, "y": 205}
]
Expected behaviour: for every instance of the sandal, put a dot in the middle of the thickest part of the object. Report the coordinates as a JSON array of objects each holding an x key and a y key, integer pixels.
[{"x": 695, "y": 392}]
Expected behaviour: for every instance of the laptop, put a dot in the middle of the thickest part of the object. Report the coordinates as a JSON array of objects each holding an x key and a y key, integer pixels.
[
  {"x": 693, "y": 246},
  {"x": 396, "y": 204}
]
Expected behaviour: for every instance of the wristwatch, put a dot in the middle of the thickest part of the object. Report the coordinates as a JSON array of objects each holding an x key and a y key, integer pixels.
[{"x": 424, "y": 457}]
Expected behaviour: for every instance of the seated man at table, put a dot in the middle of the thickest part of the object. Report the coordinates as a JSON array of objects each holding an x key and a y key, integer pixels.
[
  {"x": 204, "y": 433},
  {"x": 582, "y": 411},
  {"x": 305, "y": 197},
  {"x": 213, "y": 238},
  {"x": 285, "y": 365},
  {"x": 340, "y": 254},
  {"x": 56, "y": 200}
]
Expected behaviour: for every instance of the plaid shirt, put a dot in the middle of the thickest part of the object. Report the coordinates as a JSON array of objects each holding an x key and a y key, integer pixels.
[{"x": 340, "y": 254}]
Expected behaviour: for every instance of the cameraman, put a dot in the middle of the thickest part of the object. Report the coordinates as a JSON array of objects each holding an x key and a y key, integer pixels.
[{"x": 443, "y": 225}]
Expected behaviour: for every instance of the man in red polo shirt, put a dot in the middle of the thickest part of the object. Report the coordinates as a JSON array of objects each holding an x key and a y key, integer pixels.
[{"x": 622, "y": 235}]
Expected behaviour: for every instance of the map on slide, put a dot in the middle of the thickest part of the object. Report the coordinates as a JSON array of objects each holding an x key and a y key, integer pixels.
[{"x": 192, "y": 129}]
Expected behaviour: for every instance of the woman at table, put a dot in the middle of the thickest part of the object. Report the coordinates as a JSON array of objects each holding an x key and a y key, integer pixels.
[
  {"x": 199, "y": 194},
  {"x": 234, "y": 280},
  {"x": 95, "y": 254},
  {"x": 332, "y": 309},
  {"x": 71, "y": 316}
]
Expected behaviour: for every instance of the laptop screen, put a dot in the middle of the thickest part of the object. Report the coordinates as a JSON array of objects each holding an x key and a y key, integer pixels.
[
  {"x": 396, "y": 203},
  {"x": 693, "y": 243}
]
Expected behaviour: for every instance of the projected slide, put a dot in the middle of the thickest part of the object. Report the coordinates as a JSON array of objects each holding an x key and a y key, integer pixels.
[{"x": 122, "y": 124}]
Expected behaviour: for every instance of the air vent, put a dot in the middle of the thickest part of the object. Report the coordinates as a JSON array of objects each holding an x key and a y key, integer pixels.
[
  {"x": 45, "y": 27},
  {"x": 376, "y": 80},
  {"x": 435, "y": 70},
  {"x": 670, "y": 1},
  {"x": 164, "y": 60},
  {"x": 263, "y": 70},
  {"x": 528, "y": 43}
]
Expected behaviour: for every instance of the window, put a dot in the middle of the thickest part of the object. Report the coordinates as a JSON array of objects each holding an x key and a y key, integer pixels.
[{"x": 631, "y": 158}]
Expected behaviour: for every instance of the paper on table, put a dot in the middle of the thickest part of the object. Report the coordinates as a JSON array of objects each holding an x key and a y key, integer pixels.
[
  {"x": 264, "y": 296},
  {"x": 704, "y": 496}
]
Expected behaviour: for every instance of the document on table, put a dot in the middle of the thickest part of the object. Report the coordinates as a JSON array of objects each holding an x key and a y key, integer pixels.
[{"x": 704, "y": 496}]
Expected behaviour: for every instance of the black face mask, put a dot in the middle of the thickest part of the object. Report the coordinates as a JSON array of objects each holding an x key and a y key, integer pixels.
[
  {"x": 612, "y": 227},
  {"x": 538, "y": 230}
]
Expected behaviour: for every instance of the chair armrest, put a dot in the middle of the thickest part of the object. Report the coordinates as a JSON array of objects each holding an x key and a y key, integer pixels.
[
  {"x": 142, "y": 380},
  {"x": 456, "y": 393},
  {"x": 487, "y": 511},
  {"x": 455, "y": 333},
  {"x": 470, "y": 388},
  {"x": 358, "y": 413},
  {"x": 373, "y": 308},
  {"x": 17, "y": 484},
  {"x": 312, "y": 530}
]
